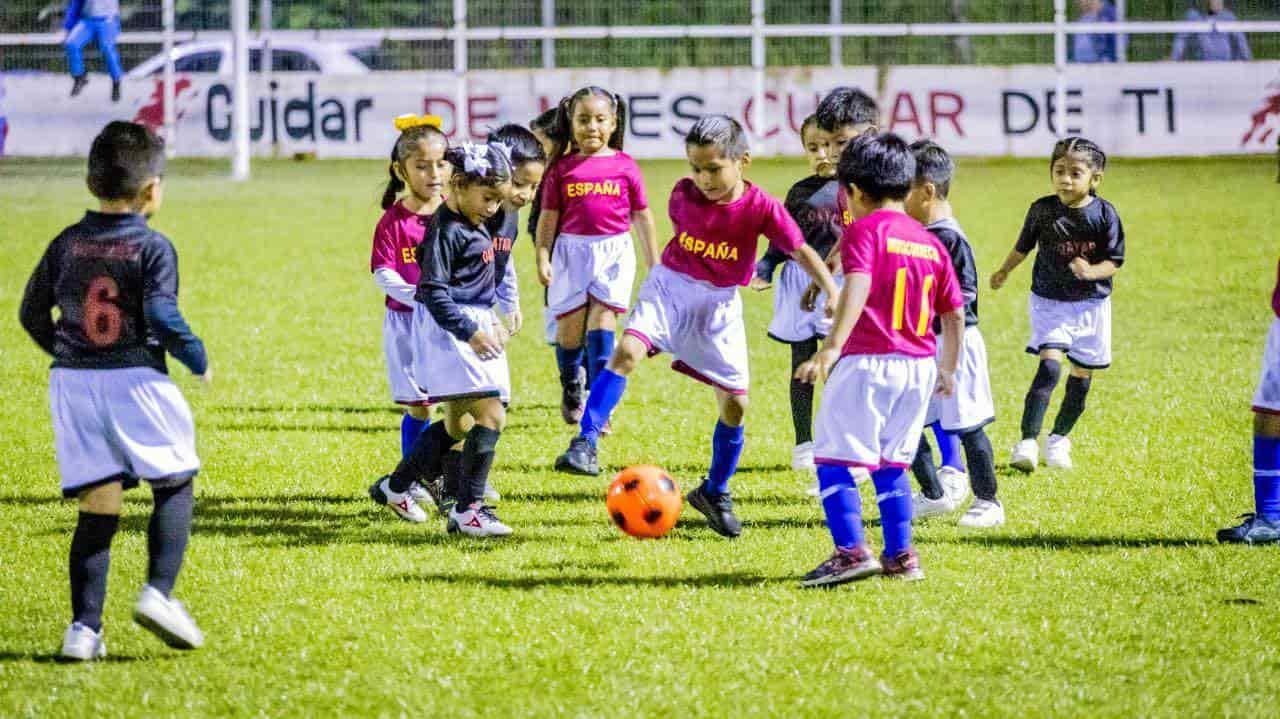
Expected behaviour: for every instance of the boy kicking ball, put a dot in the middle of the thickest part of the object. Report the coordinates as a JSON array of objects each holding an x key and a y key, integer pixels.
[{"x": 117, "y": 417}]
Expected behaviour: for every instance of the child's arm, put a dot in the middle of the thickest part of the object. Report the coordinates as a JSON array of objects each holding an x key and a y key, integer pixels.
[
  {"x": 952, "y": 338},
  {"x": 853, "y": 298},
  {"x": 813, "y": 264},
  {"x": 36, "y": 311},
  {"x": 1023, "y": 247},
  {"x": 160, "y": 310},
  {"x": 642, "y": 221},
  {"x": 393, "y": 285},
  {"x": 1011, "y": 262},
  {"x": 763, "y": 277},
  {"x": 1104, "y": 270},
  {"x": 548, "y": 221}
]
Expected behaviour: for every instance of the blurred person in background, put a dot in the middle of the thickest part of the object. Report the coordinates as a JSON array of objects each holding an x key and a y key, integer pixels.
[
  {"x": 1217, "y": 46},
  {"x": 1094, "y": 47},
  {"x": 96, "y": 20}
]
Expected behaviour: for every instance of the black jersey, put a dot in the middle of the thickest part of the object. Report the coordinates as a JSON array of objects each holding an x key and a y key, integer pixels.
[
  {"x": 811, "y": 202},
  {"x": 1059, "y": 234},
  {"x": 952, "y": 237},
  {"x": 461, "y": 265},
  {"x": 114, "y": 281}
]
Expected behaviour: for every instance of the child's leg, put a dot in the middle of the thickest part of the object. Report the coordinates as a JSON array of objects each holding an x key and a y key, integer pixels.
[
  {"x": 802, "y": 392},
  {"x": 423, "y": 463},
  {"x": 479, "y": 447},
  {"x": 601, "y": 324},
  {"x": 726, "y": 442},
  {"x": 1073, "y": 400},
  {"x": 893, "y": 494},
  {"x": 1266, "y": 465},
  {"x": 948, "y": 447},
  {"x": 457, "y": 423},
  {"x": 925, "y": 472},
  {"x": 981, "y": 463},
  {"x": 167, "y": 533},
  {"x": 415, "y": 420},
  {"x": 610, "y": 384},
  {"x": 570, "y": 331},
  {"x": 842, "y": 505},
  {"x": 91, "y": 551},
  {"x": 1037, "y": 400}
]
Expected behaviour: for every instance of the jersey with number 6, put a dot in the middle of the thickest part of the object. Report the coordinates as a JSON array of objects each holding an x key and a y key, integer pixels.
[
  {"x": 912, "y": 281},
  {"x": 100, "y": 273}
]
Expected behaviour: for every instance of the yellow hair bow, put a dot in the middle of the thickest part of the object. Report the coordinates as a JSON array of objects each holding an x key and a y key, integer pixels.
[{"x": 404, "y": 122}]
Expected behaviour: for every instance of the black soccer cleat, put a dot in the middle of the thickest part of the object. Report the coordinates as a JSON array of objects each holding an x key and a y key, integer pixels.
[
  {"x": 718, "y": 510},
  {"x": 580, "y": 458},
  {"x": 78, "y": 83},
  {"x": 1253, "y": 530}
]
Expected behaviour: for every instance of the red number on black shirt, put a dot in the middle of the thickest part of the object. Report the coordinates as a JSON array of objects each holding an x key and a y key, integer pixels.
[{"x": 102, "y": 317}]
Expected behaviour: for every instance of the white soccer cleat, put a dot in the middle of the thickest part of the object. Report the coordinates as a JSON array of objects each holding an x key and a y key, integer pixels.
[
  {"x": 420, "y": 494},
  {"x": 1057, "y": 452},
  {"x": 82, "y": 644},
  {"x": 404, "y": 505},
  {"x": 983, "y": 514},
  {"x": 955, "y": 484},
  {"x": 1026, "y": 455},
  {"x": 922, "y": 507},
  {"x": 166, "y": 618},
  {"x": 477, "y": 520},
  {"x": 802, "y": 457}
]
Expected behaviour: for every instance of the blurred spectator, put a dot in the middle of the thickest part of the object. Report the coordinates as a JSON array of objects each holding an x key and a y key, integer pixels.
[
  {"x": 1212, "y": 45},
  {"x": 1094, "y": 47},
  {"x": 88, "y": 20}
]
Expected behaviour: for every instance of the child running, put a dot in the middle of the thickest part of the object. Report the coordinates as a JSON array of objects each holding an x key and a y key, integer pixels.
[
  {"x": 593, "y": 195},
  {"x": 459, "y": 359},
  {"x": 117, "y": 417},
  {"x": 970, "y": 409},
  {"x": 1079, "y": 244},
  {"x": 689, "y": 304},
  {"x": 879, "y": 360}
]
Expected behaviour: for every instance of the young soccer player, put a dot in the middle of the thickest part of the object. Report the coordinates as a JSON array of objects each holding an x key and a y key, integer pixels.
[
  {"x": 898, "y": 277},
  {"x": 970, "y": 409},
  {"x": 117, "y": 417},
  {"x": 689, "y": 304},
  {"x": 460, "y": 360},
  {"x": 1079, "y": 245},
  {"x": 528, "y": 162},
  {"x": 593, "y": 195},
  {"x": 1263, "y": 525},
  {"x": 417, "y": 169}
]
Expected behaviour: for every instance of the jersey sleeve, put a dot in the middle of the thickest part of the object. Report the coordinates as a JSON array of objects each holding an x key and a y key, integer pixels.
[
  {"x": 857, "y": 250},
  {"x": 437, "y": 256},
  {"x": 1115, "y": 236},
  {"x": 550, "y": 188},
  {"x": 384, "y": 247},
  {"x": 949, "y": 296},
  {"x": 1027, "y": 238},
  {"x": 966, "y": 269},
  {"x": 160, "y": 307},
  {"x": 36, "y": 311},
  {"x": 507, "y": 292},
  {"x": 635, "y": 187},
  {"x": 780, "y": 229},
  {"x": 159, "y": 270}
]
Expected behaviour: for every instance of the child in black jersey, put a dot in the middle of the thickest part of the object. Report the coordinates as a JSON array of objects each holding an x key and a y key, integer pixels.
[{"x": 1079, "y": 243}]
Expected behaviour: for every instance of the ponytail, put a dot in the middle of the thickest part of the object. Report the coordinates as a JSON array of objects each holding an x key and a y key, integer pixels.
[
  {"x": 620, "y": 120},
  {"x": 394, "y": 185}
]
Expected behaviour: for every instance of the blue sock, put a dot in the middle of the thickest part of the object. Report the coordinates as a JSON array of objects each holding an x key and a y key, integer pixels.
[
  {"x": 893, "y": 494},
  {"x": 605, "y": 394},
  {"x": 842, "y": 505},
  {"x": 410, "y": 428},
  {"x": 948, "y": 447},
  {"x": 599, "y": 348},
  {"x": 1266, "y": 477},
  {"x": 568, "y": 360},
  {"x": 726, "y": 448}
]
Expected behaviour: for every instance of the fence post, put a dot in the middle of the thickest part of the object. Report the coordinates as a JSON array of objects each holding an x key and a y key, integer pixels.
[
  {"x": 170, "y": 96},
  {"x": 240, "y": 92},
  {"x": 1122, "y": 41},
  {"x": 837, "y": 48},
  {"x": 462, "y": 119},
  {"x": 1060, "y": 67},
  {"x": 268, "y": 64},
  {"x": 758, "y": 71},
  {"x": 548, "y": 44}
]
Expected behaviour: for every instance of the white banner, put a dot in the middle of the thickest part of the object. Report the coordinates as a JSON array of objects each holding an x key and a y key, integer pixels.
[{"x": 1130, "y": 109}]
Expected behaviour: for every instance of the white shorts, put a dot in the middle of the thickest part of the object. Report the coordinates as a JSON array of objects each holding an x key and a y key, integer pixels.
[
  {"x": 397, "y": 345},
  {"x": 1081, "y": 329},
  {"x": 698, "y": 323},
  {"x": 873, "y": 410},
  {"x": 591, "y": 268},
  {"x": 971, "y": 406},
  {"x": 130, "y": 424},
  {"x": 1267, "y": 398},
  {"x": 549, "y": 326},
  {"x": 790, "y": 323},
  {"x": 448, "y": 369}
]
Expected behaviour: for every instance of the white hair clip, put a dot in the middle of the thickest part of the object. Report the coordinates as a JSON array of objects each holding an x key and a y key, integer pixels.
[{"x": 475, "y": 159}]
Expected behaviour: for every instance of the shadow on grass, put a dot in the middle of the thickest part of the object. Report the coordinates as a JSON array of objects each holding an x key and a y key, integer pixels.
[
  {"x": 293, "y": 426},
  {"x": 726, "y": 580},
  {"x": 51, "y": 658},
  {"x": 330, "y": 408},
  {"x": 1073, "y": 541}
]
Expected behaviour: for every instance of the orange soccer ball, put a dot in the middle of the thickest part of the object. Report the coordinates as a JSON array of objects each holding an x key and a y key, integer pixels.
[{"x": 644, "y": 501}]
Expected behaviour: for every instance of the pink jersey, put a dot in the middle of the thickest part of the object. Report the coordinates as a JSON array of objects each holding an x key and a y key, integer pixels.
[
  {"x": 716, "y": 243},
  {"x": 395, "y": 239},
  {"x": 1275, "y": 294},
  {"x": 595, "y": 196},
  {"x": 912, "y": 280}
]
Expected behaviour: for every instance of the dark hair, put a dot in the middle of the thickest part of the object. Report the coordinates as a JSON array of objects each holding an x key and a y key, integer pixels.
[
  {"x": 1094, "y": 157},
  {"x": 543, "y": 122},
  {"x": 561, "y": 129},
  {"x": 124, "y": 157},
  {"x": 879, "y": 165},
  {"x": 933, "y": 164},
  {"x": 810, "y": 121},
  {"x": 523, "y": 146},
  {"x": 721, "y": 132},
  {"x": 846, "y": 106},
  {"x": 401, "y": 151},
  {"x": 482, "y": 164}
]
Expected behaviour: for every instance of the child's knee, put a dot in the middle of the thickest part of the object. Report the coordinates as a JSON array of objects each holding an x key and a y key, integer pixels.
[
  {"x": 489, "y": 413},
  {"x": 733, "y": 408},
  {"x": 1081, "y": 372},
  {"x": 102, "y": 499},
  {"x": 421, "y": 413},
  {"x": 1266, "y": 424},
  {"x": 600, "y": 317},
  {"x": 627, "y": 354}
]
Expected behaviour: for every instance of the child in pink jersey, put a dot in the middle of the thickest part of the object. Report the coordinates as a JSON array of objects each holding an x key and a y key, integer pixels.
[
  {"x": 689, "y": 304},
  {"x": 879, "y": 360},
  {"x": 592, "y": 195}
]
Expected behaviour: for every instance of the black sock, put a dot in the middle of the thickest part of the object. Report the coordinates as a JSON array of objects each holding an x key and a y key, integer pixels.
[
  {"x": 1037, "y": 402},
  {"x": 422, "y": 464},
  {"x": 452, "y": 473},
  {"x": 802, "y": 392},
  {"x": 980, "y": 461},
  {"x": 477, "y": 459},
  {"x": 1072, "y": 404},
  {"x": 167, "y": 534},
  {"x": 925, "y": 472},
  {"x": 90, "y": 558}
]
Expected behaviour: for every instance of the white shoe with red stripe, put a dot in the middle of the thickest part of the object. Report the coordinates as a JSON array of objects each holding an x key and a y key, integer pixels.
[
  {"x": 402, "y": 504},
  {"x": 478, "y": 520}
]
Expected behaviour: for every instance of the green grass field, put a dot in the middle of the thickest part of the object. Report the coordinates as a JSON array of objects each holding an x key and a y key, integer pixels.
[{"x": 1104, "y": 595}]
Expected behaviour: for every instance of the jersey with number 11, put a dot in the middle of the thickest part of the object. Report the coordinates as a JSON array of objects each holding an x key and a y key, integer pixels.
[{"x": 912, "y": 281}]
